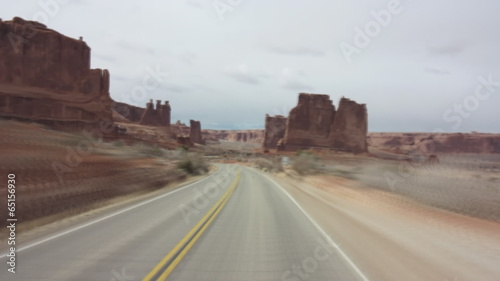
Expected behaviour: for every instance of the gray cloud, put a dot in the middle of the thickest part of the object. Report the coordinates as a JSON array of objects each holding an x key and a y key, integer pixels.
[
  {"x": 447, "y": 49},
  {"x": 188, "y": 57},
  {"x": 301, "y": 51},
  {"x": 135, "y": 48},
  {"x": 242, "y": 74},
  {"x": 290, "y": 80}
]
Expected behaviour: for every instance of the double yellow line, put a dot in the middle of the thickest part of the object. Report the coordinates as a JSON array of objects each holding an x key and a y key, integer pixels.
[{"x": 163, "y": 269}]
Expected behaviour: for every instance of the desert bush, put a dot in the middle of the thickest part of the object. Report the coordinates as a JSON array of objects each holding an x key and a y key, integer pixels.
[
  {"x": 192, "y": 163},
  {"x": 118, "y": 143},
  {"x": 150, "y": 150},
  {"x": 268, "y": 165},
  {"x": 305, "y": 163},
  {"x": 183, "y": 148}
]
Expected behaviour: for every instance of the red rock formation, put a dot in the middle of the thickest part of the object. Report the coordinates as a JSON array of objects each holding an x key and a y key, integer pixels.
[
  {"x": 274, "y": 131},
  {"x": 185, "y": 140},
  {"x": 350, "y": 127},
  {"x": 129, "y": 112},
  {"x": 159, "y": 116},
  {"x": 195, "y": 132},
  {"x": 46, "y": 76},
  {"x": 165, "y": 113},
  {"x": 315, "y": 123},
  {"x": 309, "y": 122}
]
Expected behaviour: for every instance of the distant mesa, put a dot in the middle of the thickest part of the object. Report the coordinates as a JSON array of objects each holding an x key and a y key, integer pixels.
[
  {"x": 247, "y": 136},
  {"x": 314, "y": 122},
  {"x": 46, "y": 77},
  {"x": 441, "y": 143}
]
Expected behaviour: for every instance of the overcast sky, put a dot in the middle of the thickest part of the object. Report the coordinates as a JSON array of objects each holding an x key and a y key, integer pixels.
[{"x": 416, "y": 64}]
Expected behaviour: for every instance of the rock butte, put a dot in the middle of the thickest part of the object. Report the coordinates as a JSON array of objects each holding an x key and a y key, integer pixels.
[
  {"x": 46, "y": 76},
  {"x": 275, "y": 130},
  {"x": 314, "y": 122},
  {"x": 195, "y": 132}
]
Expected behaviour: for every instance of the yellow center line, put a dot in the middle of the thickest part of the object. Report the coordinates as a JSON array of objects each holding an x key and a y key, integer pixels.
[{"x": 191, "y": 237}]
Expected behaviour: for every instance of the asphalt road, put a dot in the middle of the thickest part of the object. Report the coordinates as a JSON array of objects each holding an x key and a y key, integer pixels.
[{"x": 259, "y": 234}]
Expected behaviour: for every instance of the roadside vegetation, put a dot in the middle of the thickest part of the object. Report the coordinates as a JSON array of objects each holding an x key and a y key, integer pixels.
[
  {"x": 192, "y": 163},
  {"x": 268, "y": 165}
]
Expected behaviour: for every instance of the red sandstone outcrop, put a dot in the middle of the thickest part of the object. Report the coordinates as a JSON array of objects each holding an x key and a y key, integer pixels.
[
  {"x": 159, "y": 116},
  {"x": 179, "y": 129},
  {"x": 309, "y": 122},
  {"x": 195, "y": 132},
  {"x": 315, "y": 123},
  {"x": 184, "y": 140},
  {"x": 46, "y": 76},
  {"x": 128, "y": 112},
  {"x": 274, "y": 131},
  {"x": 350, "y": 127}
]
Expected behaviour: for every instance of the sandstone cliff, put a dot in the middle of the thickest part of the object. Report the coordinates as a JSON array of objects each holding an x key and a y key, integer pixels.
[
  {"x": 314, "y": 122},
  {"x": 195, "y": 132},
  {"x": 159, "y": 116},
  {"x": 350, "y": 127},
  {"x": 309, "y": 122},
  {"x": 46, "y": 76},
  {"x": 274, "y": 131},
  {"x": 129, "y": 112}
]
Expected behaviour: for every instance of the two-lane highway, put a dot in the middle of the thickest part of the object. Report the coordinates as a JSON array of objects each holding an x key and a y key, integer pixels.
[{"x": 257, "y": 233}]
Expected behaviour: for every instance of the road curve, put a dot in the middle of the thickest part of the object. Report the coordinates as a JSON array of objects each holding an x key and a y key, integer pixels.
[{"x": 259, "y": 234}]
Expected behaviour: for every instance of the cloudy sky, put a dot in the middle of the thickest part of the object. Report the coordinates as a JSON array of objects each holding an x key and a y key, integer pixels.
[{"x": 418, "y": 65}]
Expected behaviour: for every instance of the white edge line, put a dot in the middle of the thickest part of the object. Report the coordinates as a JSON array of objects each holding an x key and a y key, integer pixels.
[
  {"x": 323, "y": 232},
  {"x": 106, "y": 217}
]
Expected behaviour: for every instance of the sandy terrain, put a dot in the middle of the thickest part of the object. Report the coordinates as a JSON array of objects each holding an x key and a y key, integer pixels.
[
  {"x": 393, "y": 237},
  {"x": 59, "y": 172}
]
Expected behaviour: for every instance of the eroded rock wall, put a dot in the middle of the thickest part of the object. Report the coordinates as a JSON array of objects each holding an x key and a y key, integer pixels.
[
  {"x": 314, "y": 122},
  {"x": 195, "y": 132},
  {"x": 46, "y": 76},
  {"x": 274, "y": 131},
  {"x": 309, "y": 123},
  {"x": 129, "y": 112},
  {"x": 156, "y": 116},
  {"x": 350, "y": 127}
]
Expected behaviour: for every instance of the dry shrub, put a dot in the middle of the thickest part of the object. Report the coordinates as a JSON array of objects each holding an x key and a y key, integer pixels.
[
  {"x": 305, "y": 163},
  {"x": 192, "y": 163},
  {"x": 268, "y": 165}
]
